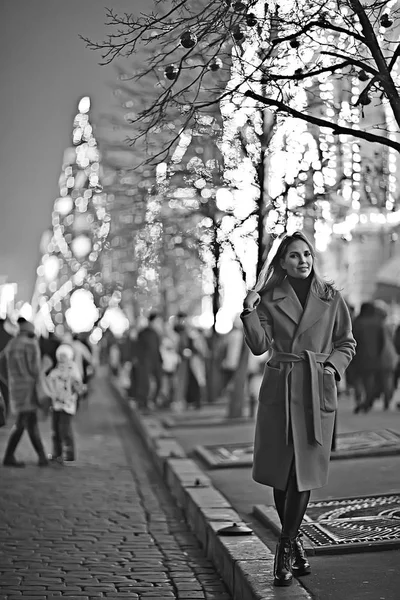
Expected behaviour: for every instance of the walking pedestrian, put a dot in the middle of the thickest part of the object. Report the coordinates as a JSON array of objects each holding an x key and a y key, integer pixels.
[
  {"x": 149, "y": 366},
  {"x": 191, "y": 373},
  {"x": 5, "y": 337},
  {"x": 20, "y": 370},
  {"x": 305, "y": 325},
  {"x": 369, "y": 334},
  {"x": 388, "y": 359},
  {"x": 65, "y": 384},
  {"x": 233, "y": 350},
  {"x": 170, "y": 362}
]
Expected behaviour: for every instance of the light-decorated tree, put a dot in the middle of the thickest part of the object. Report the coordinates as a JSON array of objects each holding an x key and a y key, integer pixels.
[
  {"x": 201, "y": 53},
  {"x": 318, "y": 70},
  {"x": 72, "y": 247}
]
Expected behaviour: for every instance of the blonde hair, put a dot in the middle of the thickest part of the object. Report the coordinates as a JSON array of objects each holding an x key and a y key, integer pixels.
[{"x": 272, "y": 274}]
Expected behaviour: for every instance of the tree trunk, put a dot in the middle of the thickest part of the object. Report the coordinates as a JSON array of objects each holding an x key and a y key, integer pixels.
[
  {"x": 213, "y": 379},
  {"x": 238, "y": 393}
]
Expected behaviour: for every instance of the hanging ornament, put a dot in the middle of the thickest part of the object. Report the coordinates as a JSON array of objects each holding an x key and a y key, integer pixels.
[
  {"x": 362, "y": 76},
  {"x": 365, "y": 99},
  {"x": 188, "y": 39},
  {"x": 238, "y": 33},
  {"x": 294, "y": 43},
  {"x": 251, "y": 19},
  {"x": 239, "y": 6},
  {"x": 385, "y": 21},
  {"x": 215, "y": 64},
  {"x": 322, "y": 19},
  {"x": 171, "y": 72}
]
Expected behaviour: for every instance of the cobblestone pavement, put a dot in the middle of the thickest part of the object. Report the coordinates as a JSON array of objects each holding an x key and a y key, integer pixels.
[{"x": 104, "y": 527}]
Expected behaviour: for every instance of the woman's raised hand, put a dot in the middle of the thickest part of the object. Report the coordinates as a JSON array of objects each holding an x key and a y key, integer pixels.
[{"x": 252, "y": 300}]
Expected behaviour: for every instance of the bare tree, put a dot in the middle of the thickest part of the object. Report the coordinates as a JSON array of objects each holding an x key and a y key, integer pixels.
[{"x": 199, "y": 54}]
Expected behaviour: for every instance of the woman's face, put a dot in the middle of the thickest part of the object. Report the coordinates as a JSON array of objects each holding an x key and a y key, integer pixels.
[{"x": 298, "y": 260}]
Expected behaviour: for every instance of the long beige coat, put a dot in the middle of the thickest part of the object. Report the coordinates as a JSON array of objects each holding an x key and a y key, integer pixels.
[{"x": 297, "y": 401}]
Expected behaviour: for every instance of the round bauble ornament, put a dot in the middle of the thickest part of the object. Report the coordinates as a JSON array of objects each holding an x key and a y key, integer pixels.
[
  {"x": 188, "y": 39},
  {"x": 322, "y": 19},
  {"x": 294, "y": 43},
  {"x": 385, "y": 21},
  {"x": 251, "y": 20},
  {"x": 362, "y": 76},
  {"x": 238, "y": 33},
  {"x": 171, "y": 72},
  {"x": 365, "y": 100},
  {"x": 239, "y": 6},
  {"x": 215, "y": 64}
]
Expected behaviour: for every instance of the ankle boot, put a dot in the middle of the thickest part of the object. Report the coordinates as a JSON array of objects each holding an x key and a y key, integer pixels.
[
  {"x": 300, "y": 564},
  {"x": 283, "y": 563}
]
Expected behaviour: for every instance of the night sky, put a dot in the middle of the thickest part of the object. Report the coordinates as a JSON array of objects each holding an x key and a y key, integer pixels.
[{"x": 45, "y": 69}]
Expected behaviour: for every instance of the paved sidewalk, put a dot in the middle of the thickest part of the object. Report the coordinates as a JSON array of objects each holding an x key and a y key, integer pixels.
[
  {"x": 368, "y": 575},
  {"x": 104, "y": 527}
]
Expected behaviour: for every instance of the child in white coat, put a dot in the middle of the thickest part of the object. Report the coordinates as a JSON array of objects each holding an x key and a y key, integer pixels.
[{"x": 65, "y": 383}]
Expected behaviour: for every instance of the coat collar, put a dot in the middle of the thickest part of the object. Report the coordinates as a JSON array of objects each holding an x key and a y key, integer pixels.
[{"x": 288, "y": 302}]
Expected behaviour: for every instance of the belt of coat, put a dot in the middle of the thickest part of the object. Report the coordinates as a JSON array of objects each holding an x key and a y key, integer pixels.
[{"x": 312, "y": 358}]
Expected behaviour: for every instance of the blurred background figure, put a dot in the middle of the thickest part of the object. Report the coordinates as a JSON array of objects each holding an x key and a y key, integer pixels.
[
  {"x": 82, "y": 357},
  {"x": 114, "y": 356},
  {"x": 389, "y": 358},
  {"x": 396, "y": 341},
  {"x": 65, "y": 382},
  {"x": 20, "y": 370},
  {"x": 191, "y": 375},
  {"x": 149, "y": 363},
  {"x": 170, "y": 361},
  {"x": 48, "y": 349},
  {"x": 6, "y": 334},
  {"x": 233, "y": 344},
  {"x": 255, "y": 372},
  {"x": 130, "y": 355},
  {"x": 368, "y": 331}
]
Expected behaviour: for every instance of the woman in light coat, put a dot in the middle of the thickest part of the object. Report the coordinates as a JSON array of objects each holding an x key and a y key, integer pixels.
[{"x": 304, "y": 324}]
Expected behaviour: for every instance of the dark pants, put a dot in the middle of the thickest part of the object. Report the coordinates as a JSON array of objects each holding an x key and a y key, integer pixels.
[
  {"x": 148, "y": 385},
  {"x": 365, "y": 388},
  {"x": 291, "y": 505},
  {"x": 63, "y": 438},
  {"x": 4, "y": 393},
  {"x": 169, "y": 388},
  {"x": 28, "y": 421},
  {"x": 369, "y": 385}
]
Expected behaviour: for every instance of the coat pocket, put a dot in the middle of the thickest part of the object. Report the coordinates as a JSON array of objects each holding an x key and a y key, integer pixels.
[
  {"x": 270, "y": 387},
  {"x": 329, "y": 400}
]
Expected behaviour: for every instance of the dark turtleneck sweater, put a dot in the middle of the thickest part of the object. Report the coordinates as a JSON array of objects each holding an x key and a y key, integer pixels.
[{"x": 301, "y": 287}]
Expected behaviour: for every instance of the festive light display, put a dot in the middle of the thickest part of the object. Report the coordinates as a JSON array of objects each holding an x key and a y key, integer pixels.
[{"x": 80, "y": 226}]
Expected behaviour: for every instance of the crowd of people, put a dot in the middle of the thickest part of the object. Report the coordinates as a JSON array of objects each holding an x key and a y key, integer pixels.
[
  {"x": 162, "y": 364},
  {"x": 167, "y": 364},
  {"x": 41, "y": 375}
]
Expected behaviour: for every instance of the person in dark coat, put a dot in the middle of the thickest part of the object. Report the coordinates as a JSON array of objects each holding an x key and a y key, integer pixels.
[
  {"x": 149, "y": 362},
  {"x": 5, "y": 337},
  {"x": 48, "y": 347},
  {"x": 20, "y": 370},
  {"x": 368, "y": 331},
  {"x": 304, "y": 325}
]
